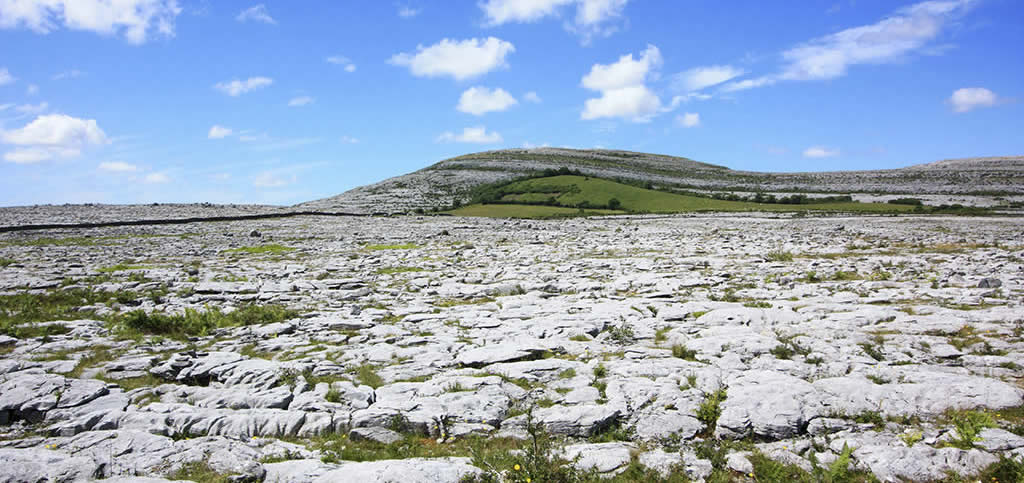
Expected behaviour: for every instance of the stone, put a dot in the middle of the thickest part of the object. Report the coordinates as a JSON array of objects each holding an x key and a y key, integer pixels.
[
  {"x": 411, "y": 470},
  {"x": 377, "y": 434}
]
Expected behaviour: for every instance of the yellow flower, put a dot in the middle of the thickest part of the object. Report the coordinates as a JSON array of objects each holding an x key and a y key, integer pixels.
[
  {"x": 516, "y": 467},
  {"x": 527, "y": 479}
]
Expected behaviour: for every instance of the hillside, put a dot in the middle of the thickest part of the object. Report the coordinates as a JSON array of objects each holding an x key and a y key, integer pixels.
[{"x": 452, "y": 179}]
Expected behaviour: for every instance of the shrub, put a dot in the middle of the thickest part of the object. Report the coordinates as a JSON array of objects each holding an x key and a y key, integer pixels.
[
  {"x": 710, "y": 409},
  {"x": 681, "y": 352}
]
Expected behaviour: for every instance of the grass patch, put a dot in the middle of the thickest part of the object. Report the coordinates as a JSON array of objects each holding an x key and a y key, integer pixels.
[
  {"x": 367, "y": 374},
  {"x": 200, "y": 471},
  {"x": 195, "y": 323},
  {"x": 394, "y": 270},
  {"x": 779, "y": 256},
  {"x": 4, "y": 261},
  {"x": 526, "y": 211},
  {"x": 272, "y": 248},
  {"x": 457, "y": 302},
  {"x": 680, "y": 351}
]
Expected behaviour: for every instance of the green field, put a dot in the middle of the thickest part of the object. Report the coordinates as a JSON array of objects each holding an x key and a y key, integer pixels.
[
  {"x": 570, "y": 191},
  {"x": 525, "y": 211}
]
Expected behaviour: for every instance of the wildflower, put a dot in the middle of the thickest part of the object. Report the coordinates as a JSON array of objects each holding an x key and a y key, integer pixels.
[{"x": 516, "y": 467}]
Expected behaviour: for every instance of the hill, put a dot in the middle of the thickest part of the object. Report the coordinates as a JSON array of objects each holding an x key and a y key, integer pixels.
[{"x": 452, "y": 180}]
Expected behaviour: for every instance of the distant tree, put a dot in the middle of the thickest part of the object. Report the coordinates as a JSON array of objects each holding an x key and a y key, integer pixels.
[{"x": 614, "y": 204}]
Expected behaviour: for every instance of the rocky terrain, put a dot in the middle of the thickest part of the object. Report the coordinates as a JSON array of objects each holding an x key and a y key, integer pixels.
[
  {"x": 722, "y": 348},
  {"x": 990, "y": 181}
]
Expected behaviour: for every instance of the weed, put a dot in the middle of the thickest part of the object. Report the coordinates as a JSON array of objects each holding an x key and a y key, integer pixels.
[
  {"x": 580, "y": 338},
  {"x": 969, "y": 424},
  {"x": 621, "y": 334},
  {"x": 367, "y": 374}
]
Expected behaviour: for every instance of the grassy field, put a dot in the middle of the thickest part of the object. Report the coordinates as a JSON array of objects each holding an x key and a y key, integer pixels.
[
  {"x": 524, "y": 211},
  {"x": 569, "y": 191}
]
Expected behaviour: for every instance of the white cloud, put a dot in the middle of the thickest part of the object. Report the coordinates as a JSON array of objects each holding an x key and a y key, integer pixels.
[
  {"x": 68, "y": 74},
  {"x": 460, "y": 59},
  {"x": 349, "y": 140},
  {"x": 820, "y": 152},
  {"x": 52, "y": 136},
  {"x": 969, "y": 98},
  {"x": 476, "y": 135},
  {"x": 748, "y": 84},
  {"x": 135, "y": 19},
  {"x": 256, "y": 13},
  {"x": 408, "y": 12},
  {"x": 118, "y": 167},
  {"x": 32, "y": 89},
  {"x": 499, "y": 12},
  {"x": 342, "y": 61},
  {"x": 532, "y": 97},
  {"x": 621, "y": 84},
  {"x": 32, "y": 109},
  {"x": 689, "y": 119},
  {"x": 237, "y": 87},
  {"x": 481, "y": 100},
  {"x": 273, "y": 179},
  {"x": 218, "y": 132},
  {"x": 590, "y": 19},
  {"x": 5, "y": 75},
  {"x": 625, "y": 72},
  {"x": 4, "y": 107},
  {"x": 907, "y": 31},
  {"x": 56, "y": 130},
  {"x": 300, "y": 101},
  {"x": 702, "y": 77},
  {"x": 157, "y": 178}
]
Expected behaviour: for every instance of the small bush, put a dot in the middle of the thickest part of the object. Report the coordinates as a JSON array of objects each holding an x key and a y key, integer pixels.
[
  {"x": 710, "y": 409},
  {"x": 969, "y": 424},
  {"x": 779, "y": 256}
]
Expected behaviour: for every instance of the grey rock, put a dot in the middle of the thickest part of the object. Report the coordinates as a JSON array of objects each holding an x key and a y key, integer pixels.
[
  {"x": 604, "y": 458},
  {"x": 377, "y": 434},
  {"x": 412, "y": 470}
]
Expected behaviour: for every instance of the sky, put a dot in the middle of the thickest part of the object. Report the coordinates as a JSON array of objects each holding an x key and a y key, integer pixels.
[{"x": 280, "y": 102}]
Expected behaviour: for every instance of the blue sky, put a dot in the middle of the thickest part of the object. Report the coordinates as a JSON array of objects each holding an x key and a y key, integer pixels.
[{"x": 140, "y": 101}]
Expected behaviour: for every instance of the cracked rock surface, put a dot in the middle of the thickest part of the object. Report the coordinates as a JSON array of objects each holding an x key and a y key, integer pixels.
[{"x": 373, "y": 349}]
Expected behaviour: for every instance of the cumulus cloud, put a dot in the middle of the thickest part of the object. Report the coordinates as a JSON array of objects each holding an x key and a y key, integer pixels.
[
  {"x": 817, "y": 152},
  {"x": 622, "y": 87},
  {"x": 238, "y": 87},
  {"x": 300, "y": 101},
  {"x": 342, "y": 61},
  {"x": 593, "y": 17},
  {"x": 5, "y": 76},
  {"x": 907, "y": 31},
  {"x": 689, "y": 119},
  {"x": 118, "y": 167},
  {"x": 969, "y": 98},
  {"x": 218, "y": 132},
  {"x": 408, "y": 12},
  {"x": 32, "y": 89},
  {"x": 481, "y": 100},
  {"x": 460, "y": 59},
  {"x": 532, "y": 97},
  {"x": 157, "y": 178},
  {"x": 256, "y": 13},
  {"x": 700, "y": 78},
  {"x": 134, "y": 19},
  {"x": 52, "y": 136},
  {"x": 475, "y": 135}
]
